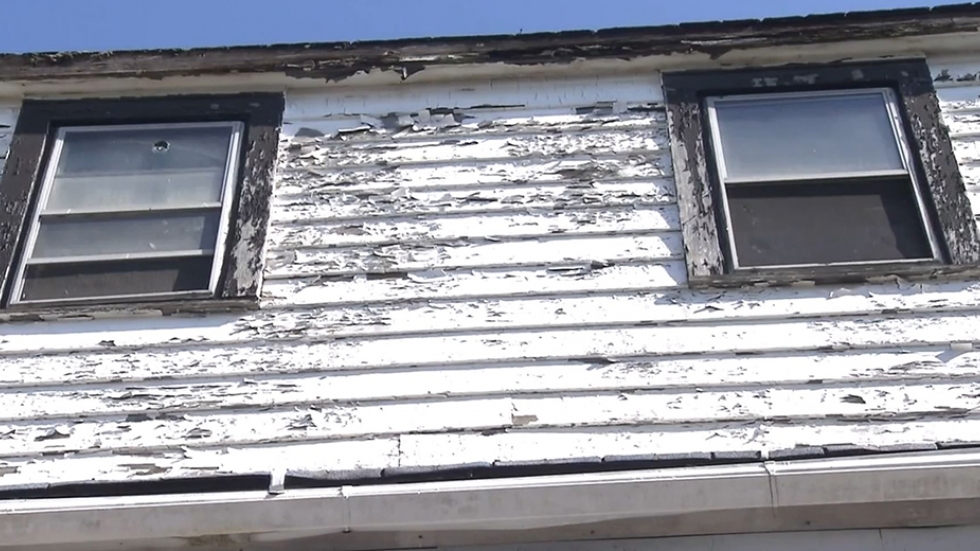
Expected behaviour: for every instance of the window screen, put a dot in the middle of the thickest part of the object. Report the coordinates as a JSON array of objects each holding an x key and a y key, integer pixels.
[
  {"x": 817, "y": 178},
  {"x": 130, "y": 212}
]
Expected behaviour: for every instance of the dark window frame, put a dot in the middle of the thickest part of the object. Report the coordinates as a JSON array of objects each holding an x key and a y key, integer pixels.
[
  {"x": 243, "y": 263},
  {"x": 698, "y": 186}
]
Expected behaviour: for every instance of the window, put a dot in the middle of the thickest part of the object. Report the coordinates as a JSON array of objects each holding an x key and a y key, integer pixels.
[
  {"x": 138, "y": 200},
  {"x": 818, "y": 174}
]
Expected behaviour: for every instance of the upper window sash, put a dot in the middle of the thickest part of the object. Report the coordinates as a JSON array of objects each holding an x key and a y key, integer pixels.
[{"x": 897, "y": 147}]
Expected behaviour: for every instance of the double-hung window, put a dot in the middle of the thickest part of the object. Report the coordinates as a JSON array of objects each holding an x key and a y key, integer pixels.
[
  {"x": 834, "y": 173},
  {"x": 138, "y": 200}
]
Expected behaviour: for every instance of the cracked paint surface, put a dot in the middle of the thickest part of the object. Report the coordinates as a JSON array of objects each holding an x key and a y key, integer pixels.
[{"x": 488, "y": 272}]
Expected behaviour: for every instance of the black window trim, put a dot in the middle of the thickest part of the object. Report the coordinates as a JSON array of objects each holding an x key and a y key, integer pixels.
[
  {"x": 242, "y": 265},
  {"x": 936, "y": 166}
]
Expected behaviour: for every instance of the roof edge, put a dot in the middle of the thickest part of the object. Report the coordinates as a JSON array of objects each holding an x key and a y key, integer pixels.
[
  {"x": 924, "y": 489},
  {"x": 334, "y": 61}
]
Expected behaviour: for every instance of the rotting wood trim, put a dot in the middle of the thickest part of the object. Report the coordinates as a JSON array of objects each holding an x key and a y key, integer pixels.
[
  {"x": 697, "y": 185},
  {"x": 938, "y": 164},
  {"x": 695, "y": 200},
  {"x": 243, "y": 264},
  {"x": 340, "y": 60}
]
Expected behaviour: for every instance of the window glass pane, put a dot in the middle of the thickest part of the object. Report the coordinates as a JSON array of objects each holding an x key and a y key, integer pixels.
[
  {"x": 800, "y": 136},
  {"x": 818, "y": 223},
  {"x": 140, "y": 167},
  {"x": 60, "y": 237},
  {"x": 126, "y": 277}
]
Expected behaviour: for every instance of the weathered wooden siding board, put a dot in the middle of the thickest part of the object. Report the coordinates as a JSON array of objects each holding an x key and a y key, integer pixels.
[
  {"x": 497, "y": 316},
  {"x": 326, "y": 154},
  {"x": 150, "y": 431},
  {"x": 479, "y": 253},
  {"x": 402, "y": 202},
  {"x": 306, "y": 181},
  {"x": 459, "y": 122},
  {"x": 487, "y": 272},
  {"x": 490, "y": 226},
  {"x": 315, "y": 459},
  {"x": 542, "y": 445},
  {"x": 8, "y": 120},
  {"x": 564, "y": 279},
  {"x": 922, "y": 366},
  {"x": 959, "y": 97},
  {"x": 637, "y": 408},
  {"x": 600, "y": 344},
  {"x": 588, "y": 91},
  {"x": 302, "y": 459}
]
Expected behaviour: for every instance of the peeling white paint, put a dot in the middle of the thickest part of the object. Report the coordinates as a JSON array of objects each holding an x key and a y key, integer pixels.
[
  {"x": 8, "y": 118},
  {"x": 488, "y": 271}
]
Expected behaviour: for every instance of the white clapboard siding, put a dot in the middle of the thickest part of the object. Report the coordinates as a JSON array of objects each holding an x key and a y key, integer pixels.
[
  {"x": 601, "y": 345},
  {"x": 557, "y": 281},
  {"x": 476, "y": 253},
  {"x": 959, "y": 97},
  {"x": 303, "y": 459},
  {"x": 638, "y": 408},
  {"x": 437, "y": 316},
  {"x": 487, "y": 272},
  {"x": 465, "y": 285},
  {"x": 541, "y": 445},
  {"x": 461, "y": 122},
  {"x": 492, "y": 226},
  {"x": 304, "y": 180},
  {"x": 8, "y": 120},
  {"x": 341, "y": 154},
  {"x": 923, "y": 366},
  {"x": 401, "y": 202},
  {"x": 343, "y": 456},
  {"x": 584, "y": 92}
]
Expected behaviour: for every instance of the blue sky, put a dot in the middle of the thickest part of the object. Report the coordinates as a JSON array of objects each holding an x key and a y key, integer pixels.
[{"x": 56, "y": 25}]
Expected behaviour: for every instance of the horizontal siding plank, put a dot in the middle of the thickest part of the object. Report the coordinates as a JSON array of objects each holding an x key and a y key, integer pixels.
[
  {"x": 330, "y": 154},
  {"x": 324, "y": 421},
  {"x": 967, "y": 151},
  {"x": 568, "y": 278},
  {"x": 473, "y": 123},
  {"x": 296, "y": 353},
  {"x": 318, "y": 459},
  {"x": 478, "y": 253},
  {"x": 303, "y": 181},
  {"x": 651, "y": 408},
  {"x": 504, "y": 315},
  {"x": 321, "y": 421},
  {"x": 527, "y": 93},
  {"x": 311, "y": 460},
  {"x": 411, "y": 202},
  {"x": 962, "y": 124},
  {"x": 953, "y": 71},
  {"x": 626, "y": 309},
  {"x": 389, "y": 231},
  {"x": 843, "y": 370},
  {"x": 541, "y": 445}
]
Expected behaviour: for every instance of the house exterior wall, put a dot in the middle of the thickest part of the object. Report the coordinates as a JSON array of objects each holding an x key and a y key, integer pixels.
[{"x": 490, "y": 272}]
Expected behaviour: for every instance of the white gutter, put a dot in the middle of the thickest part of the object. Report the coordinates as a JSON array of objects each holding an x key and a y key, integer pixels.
[{"x": 507, "y": 504}]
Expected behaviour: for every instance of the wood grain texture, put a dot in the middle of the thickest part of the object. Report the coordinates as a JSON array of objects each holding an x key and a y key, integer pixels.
[{"x": 696, "y": 199}]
